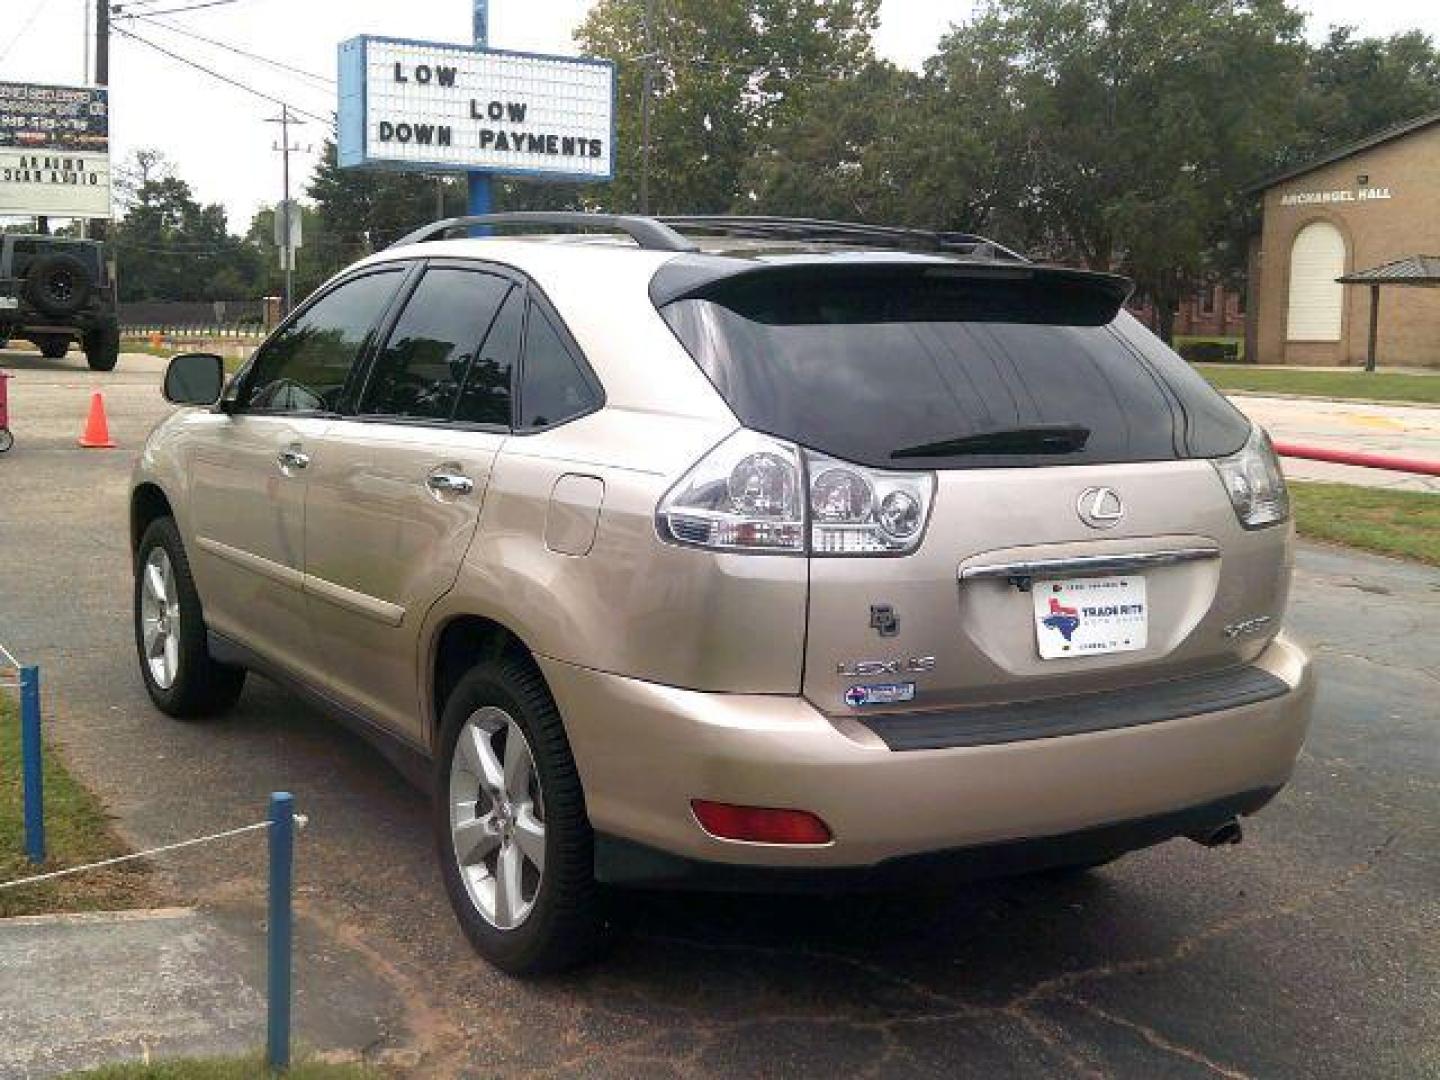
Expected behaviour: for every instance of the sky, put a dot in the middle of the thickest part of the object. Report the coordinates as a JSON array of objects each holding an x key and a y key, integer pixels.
[{"x": 217, "y": 137}]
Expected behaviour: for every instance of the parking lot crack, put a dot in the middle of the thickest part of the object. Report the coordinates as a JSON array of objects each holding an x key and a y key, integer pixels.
[
  {"x": 1188, "y": 946},
  {"x": 1157, "y": 1040}
]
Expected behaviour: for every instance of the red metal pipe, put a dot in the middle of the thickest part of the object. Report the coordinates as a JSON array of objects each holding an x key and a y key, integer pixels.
[{"x": 1351, "y": 457}]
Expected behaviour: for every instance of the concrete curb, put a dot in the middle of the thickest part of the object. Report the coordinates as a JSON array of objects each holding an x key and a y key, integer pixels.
[
  {"x": 92, "y": 918},
  {"x": 1332, "y": 400}
]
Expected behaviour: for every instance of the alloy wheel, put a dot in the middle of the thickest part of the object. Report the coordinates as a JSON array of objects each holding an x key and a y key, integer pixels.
[
  {"x": 160, "y": 618},
  {"x": 497, "y": 817}
]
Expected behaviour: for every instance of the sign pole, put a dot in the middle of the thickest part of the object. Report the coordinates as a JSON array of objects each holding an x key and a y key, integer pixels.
[{"x": 479, "y": 182}]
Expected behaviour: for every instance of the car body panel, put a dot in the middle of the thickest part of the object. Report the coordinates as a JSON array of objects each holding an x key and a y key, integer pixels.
[
  {"x": 779, "y": 750},
  {"x": 380, "y": 548},
  {"x": 247, "y": 528},
  {"x": 982, "y": 634}
]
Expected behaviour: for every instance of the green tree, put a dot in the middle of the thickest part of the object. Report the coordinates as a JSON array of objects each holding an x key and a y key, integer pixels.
[
  {"x": 169, "y": 247},
  {"x": 1357, "y": 86},
  {"x": 363, "y": 210},
  {"x": 726, "y": 74},
  {"x": 1132, "y": 126}
]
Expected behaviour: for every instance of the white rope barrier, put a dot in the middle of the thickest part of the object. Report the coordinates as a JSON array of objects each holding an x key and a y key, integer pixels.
[{"x": 300, "y": 821}]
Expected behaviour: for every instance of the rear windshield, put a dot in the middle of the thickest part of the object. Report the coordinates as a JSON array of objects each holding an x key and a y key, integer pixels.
[{"x": 903, "y": 371}]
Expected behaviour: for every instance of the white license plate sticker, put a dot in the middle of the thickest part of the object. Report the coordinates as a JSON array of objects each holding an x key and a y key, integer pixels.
[
  {"x": 1084, "y": 616},
  {"x": 9, "y": 302}
]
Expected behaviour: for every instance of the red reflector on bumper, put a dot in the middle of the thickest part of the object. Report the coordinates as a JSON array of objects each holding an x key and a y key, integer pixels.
[{"x": 760, "y": 824}]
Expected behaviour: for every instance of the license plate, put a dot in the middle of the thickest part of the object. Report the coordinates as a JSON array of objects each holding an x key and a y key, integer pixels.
[
  {"x": 9, "y": 303},
  {"x": 1084, "y": 616}
]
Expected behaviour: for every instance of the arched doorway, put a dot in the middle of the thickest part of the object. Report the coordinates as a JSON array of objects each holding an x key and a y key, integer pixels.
[{"x": 1317, "y": 300}]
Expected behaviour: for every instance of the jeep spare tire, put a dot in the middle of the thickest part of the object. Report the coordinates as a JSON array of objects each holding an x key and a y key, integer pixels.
[{"x": 58, "y": 284}]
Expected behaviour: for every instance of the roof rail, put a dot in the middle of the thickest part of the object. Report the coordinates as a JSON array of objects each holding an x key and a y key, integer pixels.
[
  {"x": 648, "y": 233},
  {"x": 814, "y": 229}
]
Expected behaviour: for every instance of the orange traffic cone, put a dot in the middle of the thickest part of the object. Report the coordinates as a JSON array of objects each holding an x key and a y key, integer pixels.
[{"x": 97, "y": 428}]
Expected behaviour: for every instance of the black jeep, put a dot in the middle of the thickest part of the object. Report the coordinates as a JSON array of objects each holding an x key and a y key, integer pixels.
[{"x": 55, "y": 290}]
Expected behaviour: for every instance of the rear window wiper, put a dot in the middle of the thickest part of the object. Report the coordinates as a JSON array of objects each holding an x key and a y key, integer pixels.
[{"x": 1035, "y": 439}]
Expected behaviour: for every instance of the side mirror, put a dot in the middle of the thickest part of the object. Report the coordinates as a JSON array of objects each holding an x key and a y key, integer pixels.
[{"x": 194, "y": 379}]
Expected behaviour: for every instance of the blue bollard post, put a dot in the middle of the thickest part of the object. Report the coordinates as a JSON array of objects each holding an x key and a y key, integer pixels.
[
  {"x": 31, "y": 754},
  {"x": 282, "y": 863}
]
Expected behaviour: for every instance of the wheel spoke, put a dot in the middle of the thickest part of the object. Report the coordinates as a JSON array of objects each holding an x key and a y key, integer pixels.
[
  {"x": 155, "y": 581},
  {"x": 509, "y": 898},
  {"x": 530, "y": 836},
  {"x": 479, "y": 758},
  {"x": 150, "y": 634},
  {"x": 517, "y": 764},
  {"x": 474, "y": 839},
  {"x": 172, "y": 655}
]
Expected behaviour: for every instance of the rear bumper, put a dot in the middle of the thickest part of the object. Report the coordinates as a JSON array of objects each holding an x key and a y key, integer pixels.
[{"x": 645, "y": 750}]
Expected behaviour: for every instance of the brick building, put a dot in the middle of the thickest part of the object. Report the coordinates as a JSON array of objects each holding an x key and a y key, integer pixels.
[
  {"x": 1364, "y": 205},
  {"x": 1211, "y": 311}
]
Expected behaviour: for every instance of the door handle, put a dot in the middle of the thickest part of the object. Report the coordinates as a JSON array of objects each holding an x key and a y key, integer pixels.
[
  {"x": 292, "y": 457},
  {"x": 449, "y": 483}
]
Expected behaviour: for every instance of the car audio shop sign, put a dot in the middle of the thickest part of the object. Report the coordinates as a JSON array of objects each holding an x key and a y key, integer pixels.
[
  {"x": 436, "y": 107},
  {"x": 54, "y": 150}
]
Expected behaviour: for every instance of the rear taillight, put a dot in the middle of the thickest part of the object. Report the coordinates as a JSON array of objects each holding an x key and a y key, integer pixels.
[
  {"x": 758, "y": 494},
  {"x": 859, "y": 511},
  {"x": 1253, "y": 480},
  {"x": 760, "y": 824},
  {"x": 742, "y": 496}
]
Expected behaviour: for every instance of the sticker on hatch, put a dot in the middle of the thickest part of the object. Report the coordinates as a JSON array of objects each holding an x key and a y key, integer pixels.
[
  {"x": 1084, "y": 616},
  {"x": 879, "y": 694}
]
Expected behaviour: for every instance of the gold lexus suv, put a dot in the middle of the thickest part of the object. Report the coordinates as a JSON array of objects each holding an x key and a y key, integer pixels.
[{"x": 733, "y": 552}]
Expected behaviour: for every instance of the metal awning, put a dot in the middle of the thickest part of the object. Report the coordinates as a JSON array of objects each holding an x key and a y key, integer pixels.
[{"x": 1417, "y": 271}]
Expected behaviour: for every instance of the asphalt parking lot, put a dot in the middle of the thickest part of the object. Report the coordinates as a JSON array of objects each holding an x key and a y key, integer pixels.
[{"x": 1313, "y": 949}]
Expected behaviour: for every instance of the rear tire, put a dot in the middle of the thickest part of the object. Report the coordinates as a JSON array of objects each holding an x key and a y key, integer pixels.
[
  {"x": 553, "y": 911},
  {"x": 53, "y": 347},
  {"x": 181, "y": 677}
]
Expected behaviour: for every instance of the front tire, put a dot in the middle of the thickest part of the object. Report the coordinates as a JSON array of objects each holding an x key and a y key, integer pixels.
[
  {"x": 181, "y": 677},
  {"x": 515, "y": 844},
  {"x": 102, "y": 348}
]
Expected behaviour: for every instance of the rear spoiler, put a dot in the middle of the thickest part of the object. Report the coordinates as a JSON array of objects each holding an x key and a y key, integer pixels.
[{"x": 997, "y": 291}]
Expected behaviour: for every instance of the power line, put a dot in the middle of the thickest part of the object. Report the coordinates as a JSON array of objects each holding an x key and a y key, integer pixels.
[
  {"x": 29, "y": 22},
  {"x": 223, "y": 78},
  {"x": 191, "y": 7},
  {"x": 328, "y": 82}
]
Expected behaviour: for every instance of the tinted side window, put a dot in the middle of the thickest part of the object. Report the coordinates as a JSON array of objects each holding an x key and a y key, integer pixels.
[
  {"x": 304, "y": 367},
  {"x": 554, "y": 388},
  {"x": 424, "y": 362},
  {"x": 486, "y": 396}
]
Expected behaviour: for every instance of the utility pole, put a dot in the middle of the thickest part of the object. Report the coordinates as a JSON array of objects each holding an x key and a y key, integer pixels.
[
  {"x": 102, "y": 42},
  {"x": 645, "y": 95},
  {"x": 85, "y": 33},
  {"x": 95, "y": 228},
  {"x": 287, "y": 251}
]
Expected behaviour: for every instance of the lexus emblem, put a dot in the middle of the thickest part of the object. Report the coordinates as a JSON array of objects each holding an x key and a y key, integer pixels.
[{"x": 1100, "y": 507}]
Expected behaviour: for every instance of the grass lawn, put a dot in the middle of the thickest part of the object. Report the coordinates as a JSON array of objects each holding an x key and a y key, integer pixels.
[
  {"x": 1404, "y": 523},
  {"x": 1377, "y": 386},
  {"x": 226, "y": 1069},
  {"x": 77, "y": 830}
]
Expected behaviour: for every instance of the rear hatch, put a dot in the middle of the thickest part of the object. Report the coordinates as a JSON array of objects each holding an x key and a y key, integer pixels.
[{"x": 1079, "y": 537}]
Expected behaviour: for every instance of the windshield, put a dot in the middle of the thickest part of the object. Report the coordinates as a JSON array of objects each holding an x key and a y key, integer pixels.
[{"x": 949, "y": 373}]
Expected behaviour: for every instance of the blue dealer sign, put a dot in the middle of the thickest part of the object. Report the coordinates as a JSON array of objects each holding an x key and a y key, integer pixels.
[{"x": 450, "y": 108}]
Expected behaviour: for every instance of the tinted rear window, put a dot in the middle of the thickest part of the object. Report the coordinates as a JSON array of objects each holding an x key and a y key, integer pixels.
[{"x": 947, "y": 372}]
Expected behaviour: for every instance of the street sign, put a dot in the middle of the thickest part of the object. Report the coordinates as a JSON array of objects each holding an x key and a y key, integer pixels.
[
  {"x": 437, "y": 107},
  {"x": 54, "y": 150},
  {"x": 294, "y": 217}
]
